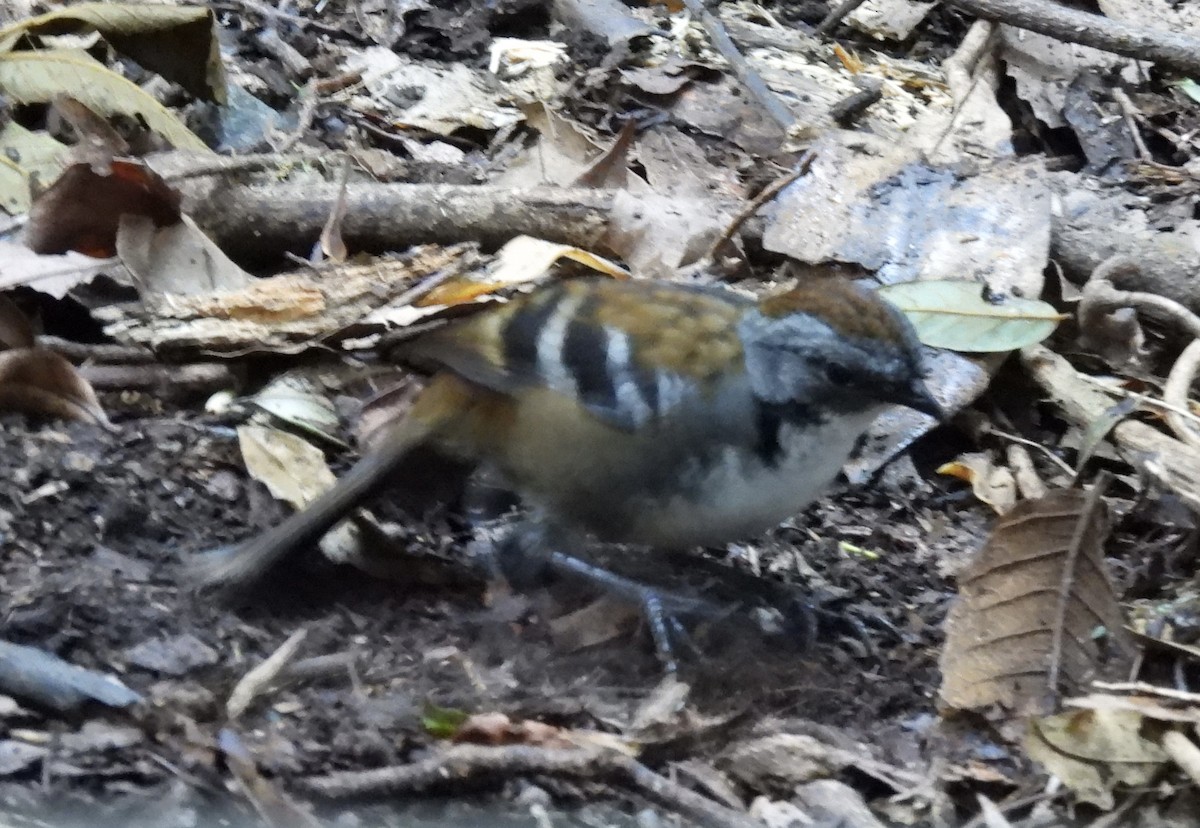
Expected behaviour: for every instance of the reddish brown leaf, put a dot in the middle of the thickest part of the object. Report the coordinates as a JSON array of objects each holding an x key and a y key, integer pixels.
[{"x": 82, "y": 209}]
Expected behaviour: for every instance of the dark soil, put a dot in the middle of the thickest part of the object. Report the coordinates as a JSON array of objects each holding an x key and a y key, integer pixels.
[{"x": 96, "y": 527}]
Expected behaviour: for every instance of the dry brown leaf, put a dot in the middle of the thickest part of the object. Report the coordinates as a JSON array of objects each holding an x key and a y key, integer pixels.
[
  {"x": 40, "y": 381},
  {"x": 1030, "y": 606}
]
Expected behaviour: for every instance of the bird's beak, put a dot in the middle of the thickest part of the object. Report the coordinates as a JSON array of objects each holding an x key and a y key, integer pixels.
[{"x": 918, "y": 397}]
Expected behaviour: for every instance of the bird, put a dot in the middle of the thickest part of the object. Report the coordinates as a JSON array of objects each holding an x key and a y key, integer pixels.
[{"x": 662, "y": 414}]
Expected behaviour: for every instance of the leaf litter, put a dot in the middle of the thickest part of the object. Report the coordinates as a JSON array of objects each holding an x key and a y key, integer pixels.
[{"x": 917, "y": 176}]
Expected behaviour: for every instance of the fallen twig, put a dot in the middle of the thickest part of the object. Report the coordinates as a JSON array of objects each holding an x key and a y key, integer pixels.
[
  {"x": 470, "y": 763},
  {"x": 102, "y": 353},
  {"x": 1169, "y": 48},
  {"x": 1173, "y": 463},
  {"x": 255, "y": 682},
  {"x": 1184, "y": 753},
  {"x": 163, "y": 381},
  {"x": 1101, "y": 297},
  {"x": 394, "y": 216},
  {"x": 1143, "y": 688},
  {"x": 769, "y": 192},
  {"x": 745, "y": 73},
  {"x": 1179, "y": 384},
  {"x": 836, "y": 15}
]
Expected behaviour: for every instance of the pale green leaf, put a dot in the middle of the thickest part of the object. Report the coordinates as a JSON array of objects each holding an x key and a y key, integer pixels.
[
  {"x": 26, "y": 157},
  {"x": 177, "y": 42},
  {"x": 1190, "y": 88},
  {"x": 955, "y": 314},
  {"x": 38, "y": 77}
]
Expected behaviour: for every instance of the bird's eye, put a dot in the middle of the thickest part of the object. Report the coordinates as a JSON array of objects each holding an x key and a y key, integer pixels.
[{"x": 837, "y": 374}]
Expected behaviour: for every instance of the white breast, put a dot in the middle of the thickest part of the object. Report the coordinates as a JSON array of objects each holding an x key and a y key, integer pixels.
[{"x": 740, "y": 496}]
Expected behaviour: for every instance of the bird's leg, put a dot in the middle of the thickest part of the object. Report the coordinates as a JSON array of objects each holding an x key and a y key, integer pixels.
[
  {"x": 661, "y": 610},
  {"x": 534, "y": 550}
]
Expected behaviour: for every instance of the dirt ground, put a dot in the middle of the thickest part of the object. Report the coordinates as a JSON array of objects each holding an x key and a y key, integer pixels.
[
  {"x": 812, "y": 654},
  {"x": 98, "y": 525}
]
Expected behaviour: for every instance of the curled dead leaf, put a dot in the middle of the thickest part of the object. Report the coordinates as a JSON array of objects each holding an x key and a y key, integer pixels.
[
  {"x": 41, "y": 382},
  {"x": 991, "y": 482}
]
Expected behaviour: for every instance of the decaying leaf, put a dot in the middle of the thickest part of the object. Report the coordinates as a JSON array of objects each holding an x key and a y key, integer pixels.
[
  {"x": 876, "y": 204},
  {"x": 563, "y": 152},
  {"x": 992, "y": 483},
  {"x": 1034, "y": 607},
  {"x": 602, "y": 620},
  {"x": 40, "y": 77},
  {"x": 292, "y": 468},
  {"x": 1092, "y": 751},
  {"x": 178, "y": 42},
  {"x": 522, "y": 260},
  {"x": 958, "y": 315},
  {"x": 28, "y": 161}
]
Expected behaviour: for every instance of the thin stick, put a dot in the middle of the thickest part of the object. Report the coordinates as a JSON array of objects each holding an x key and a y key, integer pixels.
[
  {"x": 1062, "y": 464},
  {"x": 1130, "y": 113},
  {"x": 1101, "y": 296},
  {"x": 464, "y": 764},
  {"x": 1177, "y": 51},
  {"x": 1145, "y": 688},
  {"x": 257, "y": 680},
  {"x": 745, "y": 73},
  {"x": 1093, "y": 502},
  {"x": 769, "y": 192},
  {"x": 1176, "y": 391},
  {"x": 836, "y": 16},
  {"x": 1183, "y": 752}
]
